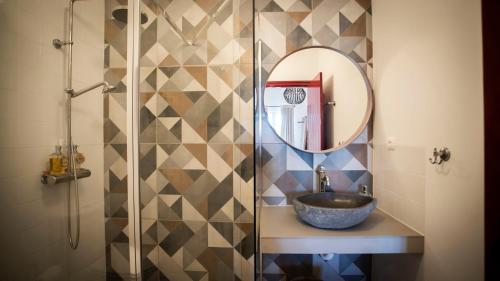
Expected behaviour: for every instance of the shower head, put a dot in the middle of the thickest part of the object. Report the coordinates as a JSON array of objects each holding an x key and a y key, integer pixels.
[
  {"x": 121, "y": 15},
  {"x": 106, "y": 88}
]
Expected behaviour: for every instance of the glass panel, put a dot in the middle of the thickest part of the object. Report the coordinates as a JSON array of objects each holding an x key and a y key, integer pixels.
[
  {"x": 259, "y": 185},
  {"x": 196, "y": 140},
  {"x": 115, "y": 138}
]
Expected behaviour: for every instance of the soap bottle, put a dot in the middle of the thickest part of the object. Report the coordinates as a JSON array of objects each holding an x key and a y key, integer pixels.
[
  {"x": 79, "y": 157},
  {"x": 64, "y": 159},
  {"x": 55, "y": 162},
  {"x": 64, "y": 163}
]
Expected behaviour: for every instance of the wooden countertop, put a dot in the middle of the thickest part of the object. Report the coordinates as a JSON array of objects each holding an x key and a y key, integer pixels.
[{"x": 283, "y": 232}]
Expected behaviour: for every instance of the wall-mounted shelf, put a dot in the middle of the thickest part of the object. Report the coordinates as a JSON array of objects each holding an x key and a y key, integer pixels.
[
  {"x": 379, "y": 234},
  {"x": 55, "y": 179}
]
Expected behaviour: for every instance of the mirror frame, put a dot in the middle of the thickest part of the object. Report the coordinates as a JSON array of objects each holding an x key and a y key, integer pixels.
[{"x": 369, "y": 104}]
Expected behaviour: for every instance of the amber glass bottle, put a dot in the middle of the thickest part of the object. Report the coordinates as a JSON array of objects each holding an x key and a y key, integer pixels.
[
  {"x": 55, "y": 161},
  {"x": 79, "y": 157}
]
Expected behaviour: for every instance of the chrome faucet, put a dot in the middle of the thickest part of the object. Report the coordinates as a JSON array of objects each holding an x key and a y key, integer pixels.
[{"x": 324, "y": 180}]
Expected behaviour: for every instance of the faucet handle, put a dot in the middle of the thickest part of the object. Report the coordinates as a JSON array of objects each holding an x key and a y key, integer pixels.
[{"x": 324, "y": 180}]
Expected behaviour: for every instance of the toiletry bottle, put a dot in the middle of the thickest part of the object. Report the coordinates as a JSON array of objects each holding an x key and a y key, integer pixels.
[
  {"x": 55, "y": 161},
  {"x": 64, "y": 163},
  {"x": 79, "y": 158},
  {"x": 64, "y": 159}
]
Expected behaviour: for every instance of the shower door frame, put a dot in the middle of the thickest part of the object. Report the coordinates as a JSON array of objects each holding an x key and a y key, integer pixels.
[{"x": 133, "y": 81}]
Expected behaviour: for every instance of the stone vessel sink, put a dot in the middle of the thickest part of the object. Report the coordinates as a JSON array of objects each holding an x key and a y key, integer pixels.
[{"x": 335, "y": 210}]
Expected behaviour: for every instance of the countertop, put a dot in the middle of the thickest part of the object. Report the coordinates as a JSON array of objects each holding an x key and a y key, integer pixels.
[{"x": 283, "y": 232}]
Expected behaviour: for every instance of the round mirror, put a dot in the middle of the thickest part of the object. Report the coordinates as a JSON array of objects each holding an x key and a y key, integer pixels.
[{"x": 317, "y": 99}]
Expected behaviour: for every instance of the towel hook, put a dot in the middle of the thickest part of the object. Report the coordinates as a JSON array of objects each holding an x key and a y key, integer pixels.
[{"x": 440, "y": 156}]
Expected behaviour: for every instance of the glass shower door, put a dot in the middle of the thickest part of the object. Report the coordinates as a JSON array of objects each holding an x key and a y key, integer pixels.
[
  {"x": 118, "y": 145},
  {"x": 196, "y": 140}
]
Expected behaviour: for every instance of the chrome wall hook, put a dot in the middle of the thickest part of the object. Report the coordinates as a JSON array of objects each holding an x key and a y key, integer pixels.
[{"x": 440, "y": 156}]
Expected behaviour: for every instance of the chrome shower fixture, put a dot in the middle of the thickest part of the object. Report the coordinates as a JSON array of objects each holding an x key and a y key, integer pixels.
[
  {"x": 121, "y": 14},
  {"x": 58, "y": 43},
  {"x": 68, "y": 44},
  {"x": 106, "y": 88}
]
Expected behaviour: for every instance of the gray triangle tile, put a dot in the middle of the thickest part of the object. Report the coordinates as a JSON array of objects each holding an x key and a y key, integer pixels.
[
  {"x": 274, "y": 200},
  {"x": 272, "y": 7},
  {"x": 359, "y": 151},
  {"x": 167, "y": 213},
  {"x": 298, "y": 38},
  {"x": 176, "y": 239},
  {"x": 326, "y": 36},
  {"x": 169, "y": 112},
  {"x": 172, "y": 136},
  {"x": 344, "y": 23},
  {"x": 225, "y": 229},
  {"x": 337, "y": 159},
  {"x": 219, "y": 197},
  {"x": 196, "y": 275},
  {"x": 354, "y": 175}
]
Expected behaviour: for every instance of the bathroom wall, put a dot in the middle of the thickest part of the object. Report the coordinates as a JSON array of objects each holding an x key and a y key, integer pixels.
[
  {"x": 196, "y": 141},
  {"x": 32, "y": 120},
  {"x": 429, "y": 93},
  {"x": 284, "y": 26}
]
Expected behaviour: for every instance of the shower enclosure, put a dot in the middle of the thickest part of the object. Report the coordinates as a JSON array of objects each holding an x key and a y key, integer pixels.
[{"x": 169, "y": 142}]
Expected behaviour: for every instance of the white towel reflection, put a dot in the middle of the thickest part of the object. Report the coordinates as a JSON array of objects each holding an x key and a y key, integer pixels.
[{"x": 287, "y": 123}]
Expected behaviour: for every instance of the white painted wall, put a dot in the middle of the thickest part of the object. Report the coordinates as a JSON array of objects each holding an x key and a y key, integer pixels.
[
  {"x": 32, "y": 216},
  {"x": 429, "y": 93}
]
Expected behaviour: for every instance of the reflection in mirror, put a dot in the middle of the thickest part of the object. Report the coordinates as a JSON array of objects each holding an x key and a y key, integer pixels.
[
  {"x": 293, "y": 108},
  {"x": 317, "y": 99}
]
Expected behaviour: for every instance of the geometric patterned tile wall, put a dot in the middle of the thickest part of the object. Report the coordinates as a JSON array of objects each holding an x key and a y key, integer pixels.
[
  {"x": 115, "y": 146},
  {"x": 285, "y": 26},
  {"x": 196, "y": 141},
  {"x": 294, "y": 267}
]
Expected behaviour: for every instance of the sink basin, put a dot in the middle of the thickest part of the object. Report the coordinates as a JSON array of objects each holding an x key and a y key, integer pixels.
[{"x": 335, "y": 210}]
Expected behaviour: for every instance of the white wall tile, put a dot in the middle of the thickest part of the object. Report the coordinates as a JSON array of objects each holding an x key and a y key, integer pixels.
[
  {"x": 32, "y": 119},
  {"x": 419, "y": 66},
  {"x": 400, "y": 182}
]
